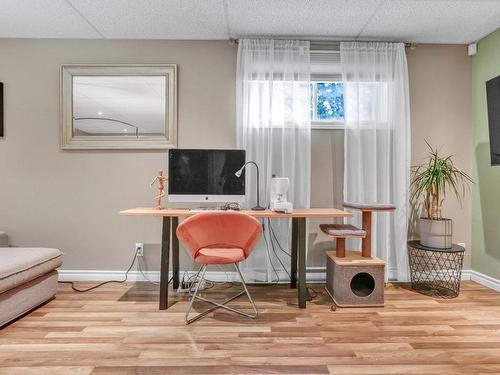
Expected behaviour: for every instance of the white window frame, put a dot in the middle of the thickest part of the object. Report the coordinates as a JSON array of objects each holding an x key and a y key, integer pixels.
[{"x": 322, "y": 124}]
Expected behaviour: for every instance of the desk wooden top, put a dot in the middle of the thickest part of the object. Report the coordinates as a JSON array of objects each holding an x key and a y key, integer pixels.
[{"x": 298, "y": 212}]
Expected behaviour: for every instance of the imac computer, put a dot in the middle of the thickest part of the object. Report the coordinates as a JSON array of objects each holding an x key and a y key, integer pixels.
[{"x": 205, "y": 175}]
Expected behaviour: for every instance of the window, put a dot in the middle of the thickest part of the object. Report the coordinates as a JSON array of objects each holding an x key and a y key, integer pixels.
[
  {"x": 327, "y": 104},
  {"x": 327, "y": 89},
  {"x": 277, "y": 104}
]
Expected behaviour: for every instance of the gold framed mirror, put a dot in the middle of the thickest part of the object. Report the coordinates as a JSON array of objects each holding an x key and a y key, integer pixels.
[{"x": 118, "y": 106}]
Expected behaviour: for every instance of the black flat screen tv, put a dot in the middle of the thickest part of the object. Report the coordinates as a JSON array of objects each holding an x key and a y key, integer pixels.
[{"x": 493, "y": 99}]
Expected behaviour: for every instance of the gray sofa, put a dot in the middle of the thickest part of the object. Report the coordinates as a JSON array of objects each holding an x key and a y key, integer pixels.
[{"x": 28, "y": 278}]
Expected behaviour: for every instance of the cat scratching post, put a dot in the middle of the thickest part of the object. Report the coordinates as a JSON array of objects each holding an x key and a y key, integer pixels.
[{"x": 355, "y": 279}]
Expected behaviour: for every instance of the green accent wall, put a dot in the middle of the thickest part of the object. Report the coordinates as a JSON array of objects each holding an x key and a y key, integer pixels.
[{"x": 486, "y": 190}]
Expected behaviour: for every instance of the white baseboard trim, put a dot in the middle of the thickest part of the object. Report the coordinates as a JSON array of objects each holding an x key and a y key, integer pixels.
[
  {"x": 466, "y": 275},
  {"x": 487, "y": 281},
  {"x": 314, "y": 275},
  {"x": 98, "y": 275}
]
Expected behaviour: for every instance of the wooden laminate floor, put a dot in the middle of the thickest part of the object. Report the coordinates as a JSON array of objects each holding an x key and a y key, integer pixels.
[{"x": 118, "y": 329}]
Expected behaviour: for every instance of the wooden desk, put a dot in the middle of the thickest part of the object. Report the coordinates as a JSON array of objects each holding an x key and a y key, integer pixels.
[{"x": 298, "y": 252}]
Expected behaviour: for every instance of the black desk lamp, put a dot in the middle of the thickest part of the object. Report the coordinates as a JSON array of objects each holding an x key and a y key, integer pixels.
[{"x": 238, "y": 174}]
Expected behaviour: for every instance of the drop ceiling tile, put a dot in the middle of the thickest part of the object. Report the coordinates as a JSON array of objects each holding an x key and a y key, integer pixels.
[
  {"x": 434, "y": 21},
  {"x": 42, "y": 19},
  {"x": 341, "y": 19},
  {"x": 156, "y": 19},
  {"x": 423, "y": 21}
]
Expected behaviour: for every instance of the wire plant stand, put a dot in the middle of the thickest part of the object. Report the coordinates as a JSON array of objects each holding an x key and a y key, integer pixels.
[{"x": 435, "y": 272}]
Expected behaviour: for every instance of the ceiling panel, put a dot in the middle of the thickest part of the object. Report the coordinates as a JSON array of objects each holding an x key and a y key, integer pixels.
[
  {"x": 42, "y": 19},
  {"x": 434, "y": 21},
  {"x": 342, "y": 19},
  {"x": 156, "y": 19},
  {"x": 423, "y": 21}
]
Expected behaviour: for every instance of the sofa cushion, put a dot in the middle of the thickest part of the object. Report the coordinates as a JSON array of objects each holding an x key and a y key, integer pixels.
[
  {"x": 17, "y": 301},
  {"x": 21, "y": 264}
]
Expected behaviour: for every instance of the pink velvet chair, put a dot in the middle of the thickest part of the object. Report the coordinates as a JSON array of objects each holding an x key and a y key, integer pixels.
[{"x": 219, "y": 238}]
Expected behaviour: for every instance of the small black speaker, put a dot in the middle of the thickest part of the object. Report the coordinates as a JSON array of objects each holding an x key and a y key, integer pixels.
[
  {"x": 1, "y": 109},
  {"x": 493, "y": 98}
]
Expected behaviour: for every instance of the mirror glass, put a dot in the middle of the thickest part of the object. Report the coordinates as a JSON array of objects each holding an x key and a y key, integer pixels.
[{"x": 128, "y": 106}]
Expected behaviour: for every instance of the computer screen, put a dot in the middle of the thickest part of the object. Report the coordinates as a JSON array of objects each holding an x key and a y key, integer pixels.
[{"x": 197, "y": 175}]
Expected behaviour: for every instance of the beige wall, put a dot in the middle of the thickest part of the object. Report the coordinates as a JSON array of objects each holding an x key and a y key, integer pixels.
[
  {"x": 440, "y": 100},
  {"x": 69, "y": 200},
  {"x": 327, "y": 172}
]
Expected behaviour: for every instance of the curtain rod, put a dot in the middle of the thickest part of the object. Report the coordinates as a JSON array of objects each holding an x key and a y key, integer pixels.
[{"x": 235, "y": 41}]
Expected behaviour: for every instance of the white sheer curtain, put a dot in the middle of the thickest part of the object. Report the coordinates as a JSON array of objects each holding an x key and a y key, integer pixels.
[
  {"x": 273, "y": 126},
  {"x": 377, "y": 142}
]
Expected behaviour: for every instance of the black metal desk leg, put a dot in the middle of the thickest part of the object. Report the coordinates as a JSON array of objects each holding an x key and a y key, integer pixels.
[
  {"x": 164, "y": 266},
  {"x": 175, "y": 253},
  {"x": 302, "y": 262},
  {"x": 293, "y": 257}
]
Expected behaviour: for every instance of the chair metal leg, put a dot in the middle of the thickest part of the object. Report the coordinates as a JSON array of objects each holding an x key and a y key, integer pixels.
[
  {"x": 190, "y": 287},
  {"x": 204, "y": 268},
  {"x": 246, "y": 291},
  {"x": 217, "y": 304}
]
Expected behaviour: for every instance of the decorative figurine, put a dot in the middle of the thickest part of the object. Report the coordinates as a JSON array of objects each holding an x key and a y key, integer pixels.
[{"x": 161, "y": 188}]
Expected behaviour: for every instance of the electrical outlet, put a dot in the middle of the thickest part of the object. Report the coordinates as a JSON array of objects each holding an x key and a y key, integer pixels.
[{"x": 139, "y": 249}]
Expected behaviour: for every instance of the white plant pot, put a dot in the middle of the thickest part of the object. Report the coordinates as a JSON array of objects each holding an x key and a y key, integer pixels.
[{"x": 436, "y": 233}]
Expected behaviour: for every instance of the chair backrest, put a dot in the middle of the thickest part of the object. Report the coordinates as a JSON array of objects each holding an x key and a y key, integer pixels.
[{"x": 224, "y": 229}]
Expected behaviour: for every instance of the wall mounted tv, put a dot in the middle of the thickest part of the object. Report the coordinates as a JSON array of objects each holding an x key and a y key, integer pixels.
[{"x": 493, "y": 99}]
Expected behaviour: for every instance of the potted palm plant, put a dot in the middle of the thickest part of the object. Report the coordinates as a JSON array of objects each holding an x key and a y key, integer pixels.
[{"x": 430, "y": 182}]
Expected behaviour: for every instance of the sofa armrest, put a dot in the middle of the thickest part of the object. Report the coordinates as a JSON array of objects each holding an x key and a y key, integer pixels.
[{"x": 4, "y": 239}]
